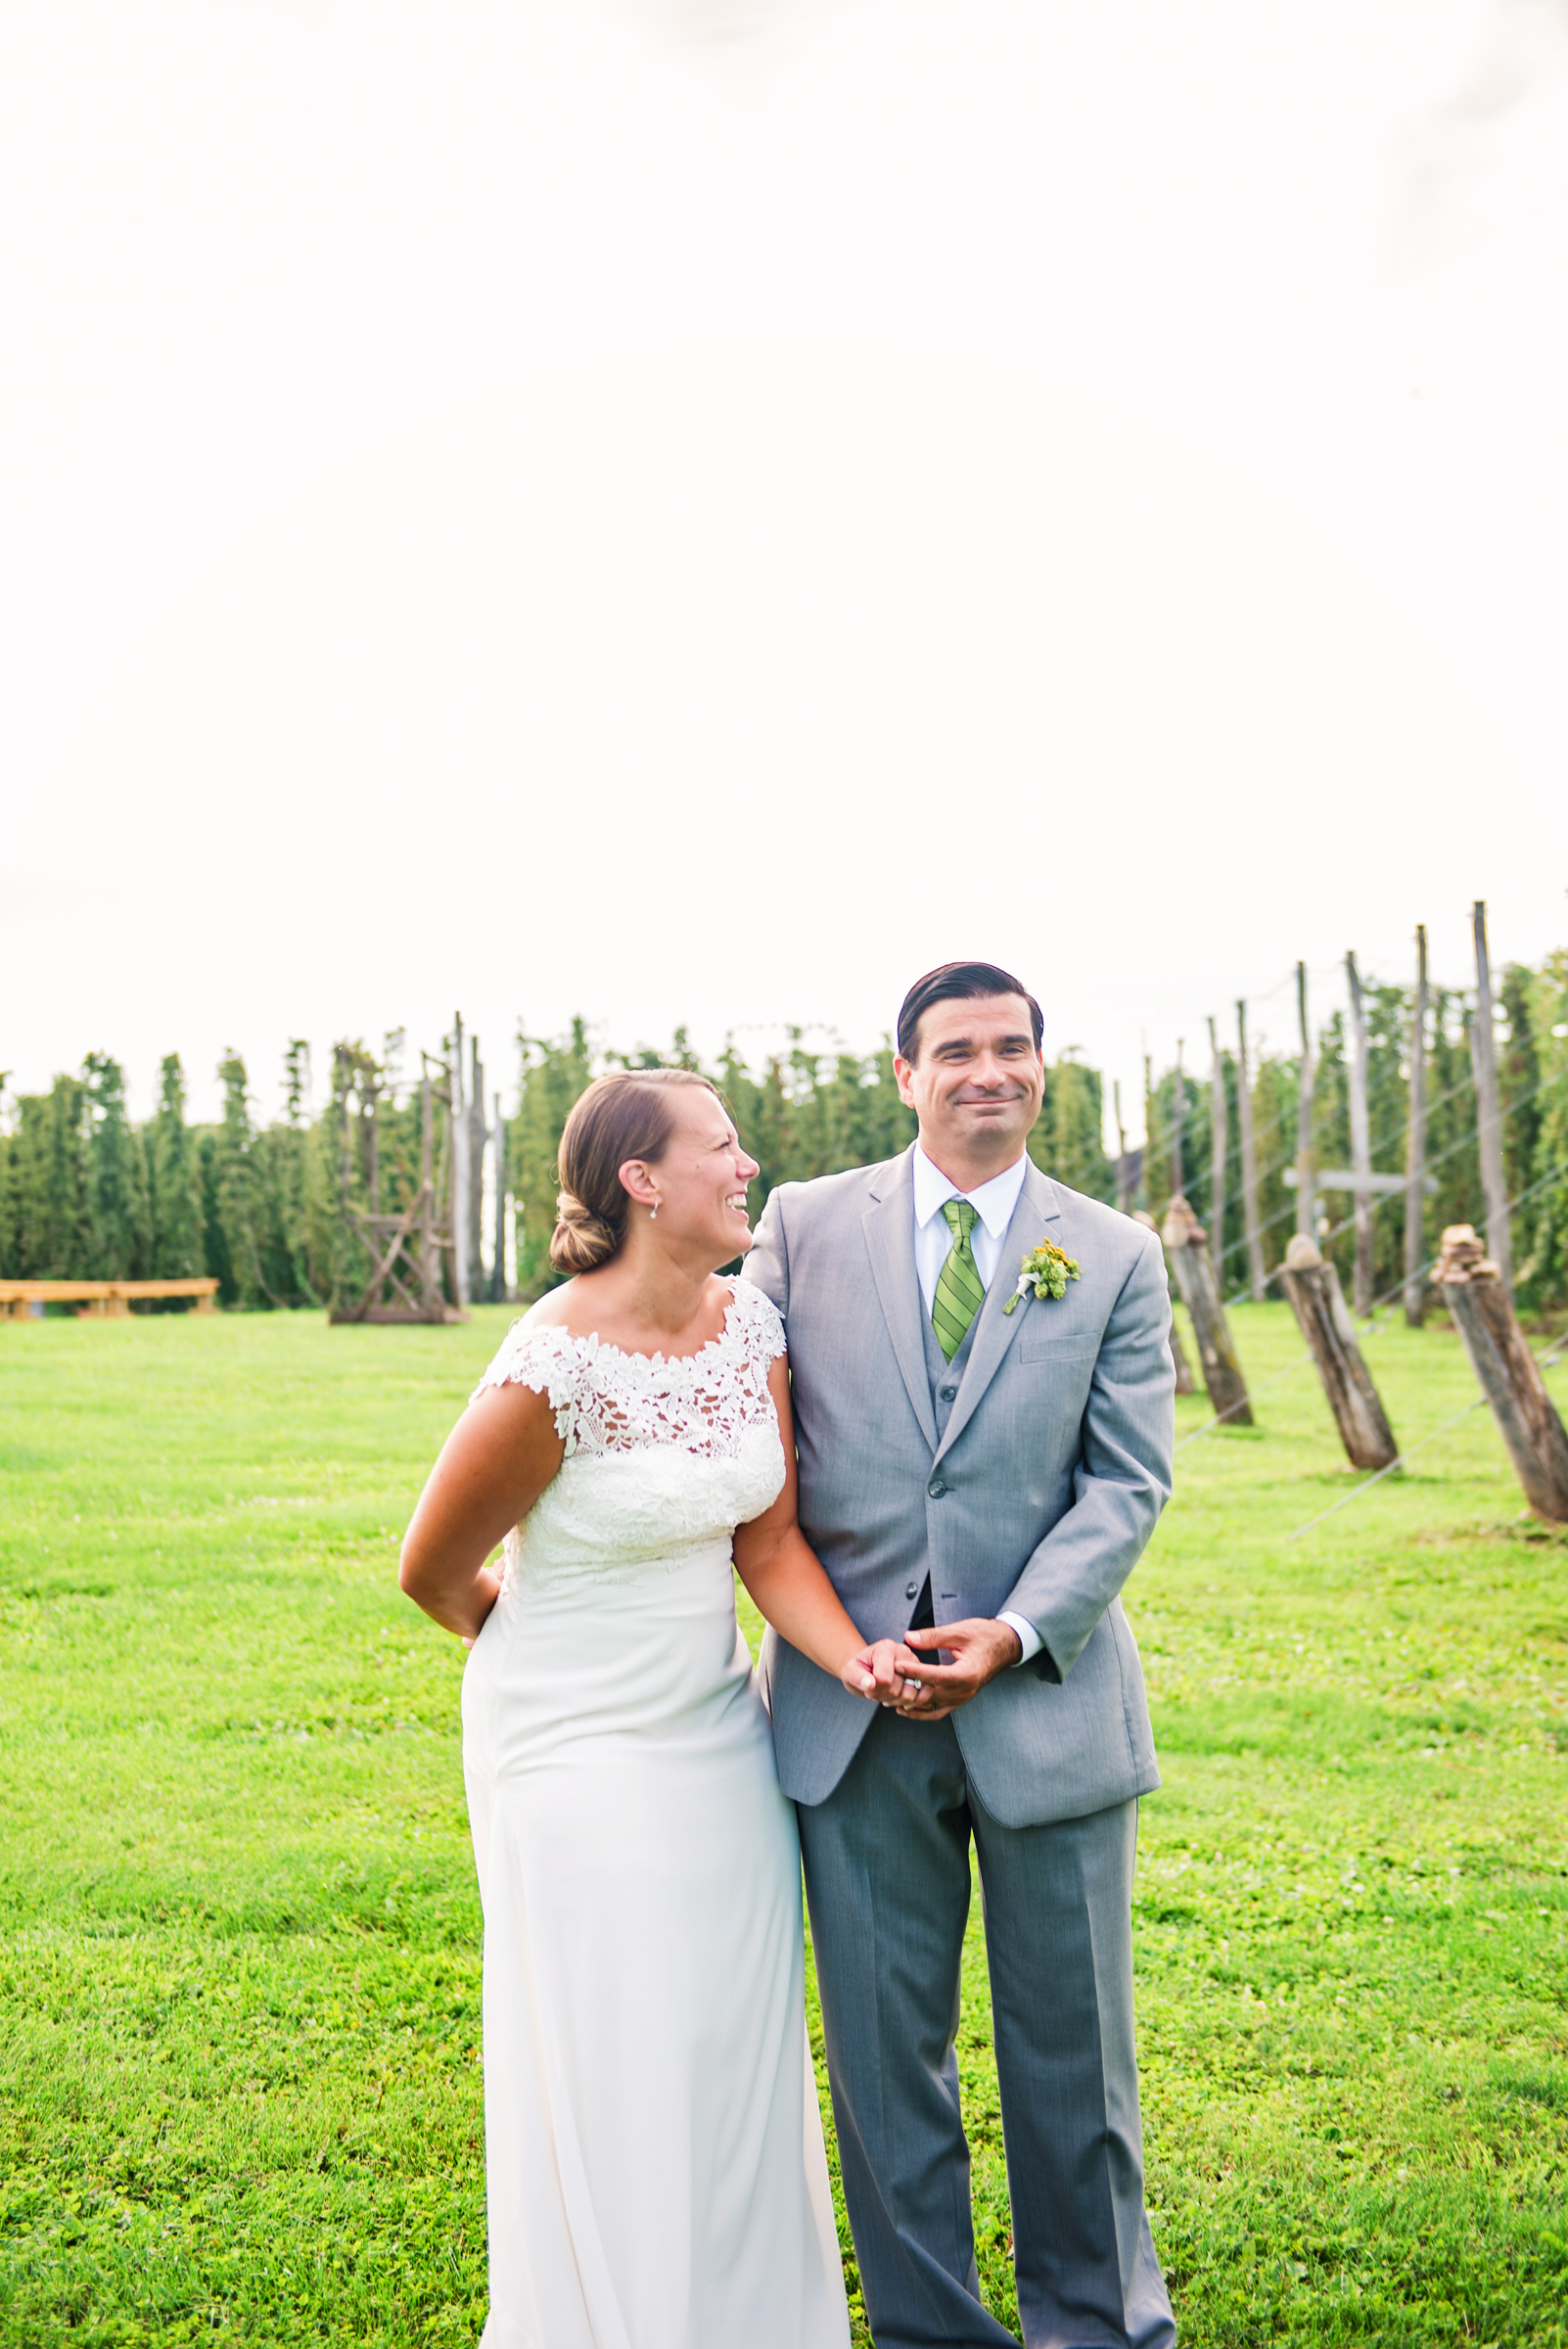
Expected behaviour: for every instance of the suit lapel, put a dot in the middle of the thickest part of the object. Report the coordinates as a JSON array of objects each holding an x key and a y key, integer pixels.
[
  {"x": 994, "y": 1331},
  {"x": 889, "y": 1228}
]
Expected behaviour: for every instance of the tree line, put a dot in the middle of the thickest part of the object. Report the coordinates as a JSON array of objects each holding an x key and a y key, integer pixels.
[{"x": 88, "y": 1192}]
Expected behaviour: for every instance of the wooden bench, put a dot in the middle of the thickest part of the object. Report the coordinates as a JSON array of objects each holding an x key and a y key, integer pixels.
[{"x": 96, "y": 1298}]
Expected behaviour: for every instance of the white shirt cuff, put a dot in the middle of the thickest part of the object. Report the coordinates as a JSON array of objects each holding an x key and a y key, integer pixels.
[{"x": 1033, "y": 1642}]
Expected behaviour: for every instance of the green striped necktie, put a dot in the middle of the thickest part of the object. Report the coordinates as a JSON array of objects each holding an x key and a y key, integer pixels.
[{"x": 961, "y": 1291}]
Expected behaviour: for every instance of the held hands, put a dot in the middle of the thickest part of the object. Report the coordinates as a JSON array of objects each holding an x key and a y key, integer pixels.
[
  {"x": 880, "y": 1670},
  {"x": 919, "y": 1688}
]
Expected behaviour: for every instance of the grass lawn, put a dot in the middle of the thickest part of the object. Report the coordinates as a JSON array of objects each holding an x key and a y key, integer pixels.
[{"x": 240, "y": 2092}]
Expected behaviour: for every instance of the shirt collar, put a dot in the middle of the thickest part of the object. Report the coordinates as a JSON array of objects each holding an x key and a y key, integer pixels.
[{"x": 996, "y": 1200}]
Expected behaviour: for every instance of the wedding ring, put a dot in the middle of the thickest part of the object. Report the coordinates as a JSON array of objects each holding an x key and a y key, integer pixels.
[{"x": 915, "y": 1685}]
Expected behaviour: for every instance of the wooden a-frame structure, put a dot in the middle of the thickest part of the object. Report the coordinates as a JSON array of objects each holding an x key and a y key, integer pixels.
[{"x": 411, "y": 1250}]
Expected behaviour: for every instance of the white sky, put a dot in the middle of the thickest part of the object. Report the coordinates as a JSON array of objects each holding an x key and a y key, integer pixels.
[{"x": 697, "y": 510}]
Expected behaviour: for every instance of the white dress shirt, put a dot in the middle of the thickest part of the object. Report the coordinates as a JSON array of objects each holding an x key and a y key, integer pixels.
[{"x": 993, "y": 1202}]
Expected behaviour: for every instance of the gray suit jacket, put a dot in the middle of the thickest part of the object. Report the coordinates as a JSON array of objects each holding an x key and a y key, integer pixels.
[{"x": 1053, "y": 1468}]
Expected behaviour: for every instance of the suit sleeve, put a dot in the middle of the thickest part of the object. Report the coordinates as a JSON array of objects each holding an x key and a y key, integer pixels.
[
  {"x": 769, "y": 1262},
  {"x": 1123, "y": 1478}
]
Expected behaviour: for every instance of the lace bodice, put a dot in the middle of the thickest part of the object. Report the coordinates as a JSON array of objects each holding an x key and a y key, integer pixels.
[
  {"x": 607, "y": 1401},
  {"x": 661, "y": 1456}
]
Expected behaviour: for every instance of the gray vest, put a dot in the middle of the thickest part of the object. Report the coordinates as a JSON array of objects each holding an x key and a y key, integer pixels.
[{"x": 946, "y": 1377}]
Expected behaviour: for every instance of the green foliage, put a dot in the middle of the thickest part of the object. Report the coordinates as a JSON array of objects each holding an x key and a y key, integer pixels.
[
  {"x": 1273, "y": 1123},
  {"x": 50, "y": 1233},
  {"x": 175, "y": 1181},
  {"x": 1387, "y": 1115},
  {"x": 281, "y": 1154},
  {"x": 1536, "y": 1136},
  {"x": 551, "y": 1077},
  {"x": 118, "y": 1210},
  {"x": 814, "y": 1113},
  {"x": 1451, "y": 1154},
  {"x": 1068, "y": 1140},
  {"x": 235, "y": 1189}
]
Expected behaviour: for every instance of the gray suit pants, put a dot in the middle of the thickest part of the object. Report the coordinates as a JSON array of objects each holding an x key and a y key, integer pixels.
[{"x": 887, "y": 1879}]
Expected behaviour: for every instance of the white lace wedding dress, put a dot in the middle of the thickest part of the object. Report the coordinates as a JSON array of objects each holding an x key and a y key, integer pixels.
[{"x": 654, "y": 2147}]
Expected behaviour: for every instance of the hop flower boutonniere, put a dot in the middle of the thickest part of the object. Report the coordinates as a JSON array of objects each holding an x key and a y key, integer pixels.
[{"x": 1047, "y": 1271}]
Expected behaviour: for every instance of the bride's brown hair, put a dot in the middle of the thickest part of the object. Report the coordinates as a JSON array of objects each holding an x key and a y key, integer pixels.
[{"x": 630, "y": 1113}]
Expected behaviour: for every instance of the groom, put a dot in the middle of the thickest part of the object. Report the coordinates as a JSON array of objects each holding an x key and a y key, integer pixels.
[{"x": 992, "y": 1474}]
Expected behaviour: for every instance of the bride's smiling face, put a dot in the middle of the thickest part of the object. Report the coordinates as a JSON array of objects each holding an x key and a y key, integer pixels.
[{"x": 700, "y": 1182}]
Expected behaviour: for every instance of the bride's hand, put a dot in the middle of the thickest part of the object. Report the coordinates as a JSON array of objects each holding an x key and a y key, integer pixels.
[{"x": 880, "y": 1671}]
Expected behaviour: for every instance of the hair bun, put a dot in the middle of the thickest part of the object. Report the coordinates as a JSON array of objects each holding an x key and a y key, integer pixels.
[{"x": 580, "y": 1240}]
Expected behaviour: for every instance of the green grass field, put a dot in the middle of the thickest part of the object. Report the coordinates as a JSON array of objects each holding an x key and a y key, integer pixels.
[{"x": 240, "y": 2091}]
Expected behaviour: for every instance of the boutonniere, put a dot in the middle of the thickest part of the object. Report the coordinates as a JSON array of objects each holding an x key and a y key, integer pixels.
[{"x": 1046, "y": 1271}]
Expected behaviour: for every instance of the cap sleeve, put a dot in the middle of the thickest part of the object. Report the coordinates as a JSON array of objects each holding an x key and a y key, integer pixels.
[
  {"x": 761, "y": 1324},
  {"x": 549, "y": 1360}
]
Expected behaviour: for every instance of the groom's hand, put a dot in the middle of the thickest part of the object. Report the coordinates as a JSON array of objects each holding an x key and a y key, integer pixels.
[{"x": 980, "y": 1648}]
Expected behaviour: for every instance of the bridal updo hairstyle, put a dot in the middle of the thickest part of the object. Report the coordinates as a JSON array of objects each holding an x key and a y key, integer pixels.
[{"x": 630, "y": 1113}]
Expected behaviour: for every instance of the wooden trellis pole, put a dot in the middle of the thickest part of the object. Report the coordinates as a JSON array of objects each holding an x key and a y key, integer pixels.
[
  {"x": 1361, "y": 1144},
  {"x": 1319, "y": 1305},
  {"x": 498, "y": 1162},
  {"x": 1489, "y": 1117},
  {"x": 1249, "y": 1164},
  {"x": 1178, "y": 1120},
  {"x": 1188, "y": 1255},
  {"x": 1219, "y": 1141},
  {"x": 457, "y": 1189},
  {"x": 1148, "y": 1129},
  {"x": 1474, "y": 1291},
  {"x": 430, "y": 1251},
  {"x": 477, "y": 1138},
  {"x": 1185, "y": 1384},
  {"x": 1416, "y": 1146},
  {"x": 1305, "y": 1185}
]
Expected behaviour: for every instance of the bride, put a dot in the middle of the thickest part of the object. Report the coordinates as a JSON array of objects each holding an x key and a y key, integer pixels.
[{"x": 654, "y": 2149}]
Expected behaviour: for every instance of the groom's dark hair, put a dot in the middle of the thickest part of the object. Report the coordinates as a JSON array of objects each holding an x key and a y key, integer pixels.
[{"x": 955, "y": 981}]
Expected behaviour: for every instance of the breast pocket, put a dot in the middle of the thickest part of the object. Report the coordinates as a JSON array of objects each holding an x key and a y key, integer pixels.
[{"x": 1058, "y": 1349}]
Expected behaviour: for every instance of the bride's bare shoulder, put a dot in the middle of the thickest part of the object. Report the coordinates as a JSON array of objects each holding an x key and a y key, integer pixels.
[
  {"x": 576, "y": 1305},
  {"x": 552, "y": 1310}
]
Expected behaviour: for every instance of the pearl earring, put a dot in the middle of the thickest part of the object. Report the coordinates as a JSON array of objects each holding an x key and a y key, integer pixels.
[{"x": 653, "y": 1213}]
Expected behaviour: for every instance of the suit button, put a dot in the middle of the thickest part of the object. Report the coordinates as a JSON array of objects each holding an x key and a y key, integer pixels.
[
  {"x": 936, "y": 1488},
  {"x": 909, "y": 1589},
  {"x": 948, "y": 1393}
]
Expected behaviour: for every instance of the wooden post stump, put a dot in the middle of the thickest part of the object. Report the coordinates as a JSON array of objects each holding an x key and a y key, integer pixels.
[
  {"x": 1319, "y": 1304},
  {"x": 1473, "y": 1290},
  {"x": 1186, "y": 1252},
  {"x": 1185, "y": 1384}
]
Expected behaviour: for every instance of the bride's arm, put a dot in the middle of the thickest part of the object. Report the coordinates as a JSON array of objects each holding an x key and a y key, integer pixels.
[
  {"x": 789, "y": 1587},
  {"x": 492, "y": 1468}
]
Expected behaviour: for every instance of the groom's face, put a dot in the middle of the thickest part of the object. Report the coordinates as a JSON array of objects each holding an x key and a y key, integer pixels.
[{"x": 977, "y": 1078}]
